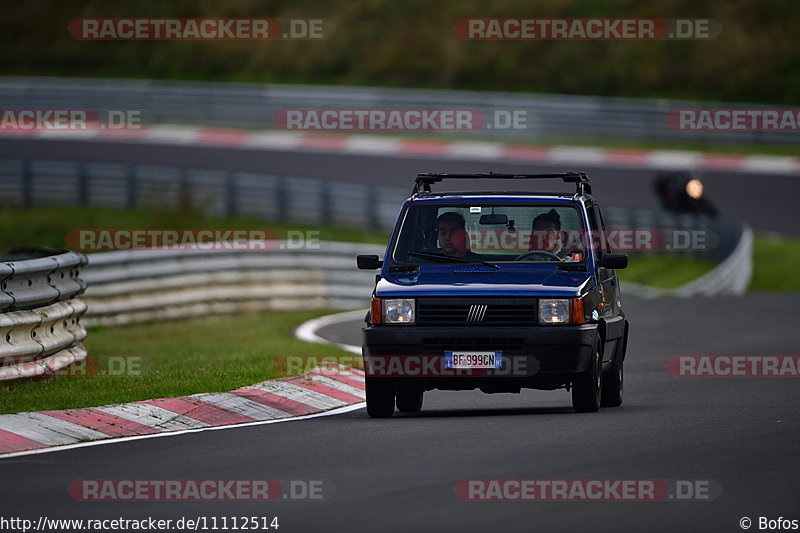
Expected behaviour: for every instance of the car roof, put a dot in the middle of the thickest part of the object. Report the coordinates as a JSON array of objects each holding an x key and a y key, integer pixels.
[{"x": 497, "y": 196}]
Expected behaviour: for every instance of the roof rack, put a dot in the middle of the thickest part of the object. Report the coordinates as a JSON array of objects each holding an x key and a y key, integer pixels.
[{"x": 426, "y": 179}]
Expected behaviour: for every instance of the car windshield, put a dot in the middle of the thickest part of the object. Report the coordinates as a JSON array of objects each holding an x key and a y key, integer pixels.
[{"x": 489, "y": 232}]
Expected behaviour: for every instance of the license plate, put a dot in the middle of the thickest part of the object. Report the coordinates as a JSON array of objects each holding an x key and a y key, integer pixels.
[{"x": 473, "y": 359}]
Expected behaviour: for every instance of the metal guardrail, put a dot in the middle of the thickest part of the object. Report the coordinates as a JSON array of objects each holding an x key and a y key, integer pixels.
[
  {"x": 41, "y": 281},
  {"x": 730, "y": 277},
  {"x": 216, "y": 193},
  {"x": 271, "y": 198},
  {"x": 146, "y": 285},
  {"x": 40, "y": 328},
  {"x": 253, "y": 105}
]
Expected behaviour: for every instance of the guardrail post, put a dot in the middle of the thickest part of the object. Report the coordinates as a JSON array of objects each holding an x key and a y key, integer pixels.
[
  {"x": 231, "y": 187},
  {"x": 130, "y": 187},
  {"x": 282, "y": 198},
  {"x": 325, "y": 217},
  {"x": 26, "y": 176},
  {"x": 371, "y": 209},
  {"x": 184, "y": 200},
  {"x": 83, "y": 186}
]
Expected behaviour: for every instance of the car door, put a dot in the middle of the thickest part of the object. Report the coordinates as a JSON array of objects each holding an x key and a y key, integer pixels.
[{"x": 613, "y": 320}]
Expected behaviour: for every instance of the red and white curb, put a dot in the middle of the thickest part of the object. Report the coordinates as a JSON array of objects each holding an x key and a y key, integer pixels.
[
  {"x": 329, "y": 389},
  {"x": 381, "y": 145}
]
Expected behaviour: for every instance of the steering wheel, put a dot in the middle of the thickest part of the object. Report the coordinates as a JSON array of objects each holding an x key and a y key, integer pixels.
[{"x": 549, "y": 255}]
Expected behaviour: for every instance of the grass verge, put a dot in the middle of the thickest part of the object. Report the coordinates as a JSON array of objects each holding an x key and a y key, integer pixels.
[
  {"x": 141, "y": 362},
  {"x": 664, "y": 271},
  {"x": 776, "y": 262},
  {"x": 48, "y": 226}
]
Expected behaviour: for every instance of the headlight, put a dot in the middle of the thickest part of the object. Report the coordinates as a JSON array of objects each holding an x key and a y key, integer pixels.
[
  {"x": 554, "y": 311},
  {"x": 398, "y": 311}
]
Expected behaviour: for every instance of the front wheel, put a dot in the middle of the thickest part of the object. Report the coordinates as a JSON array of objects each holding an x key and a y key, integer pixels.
[
  {"x": 380, "y": 397},
  {"x": 586, "y": 387}
]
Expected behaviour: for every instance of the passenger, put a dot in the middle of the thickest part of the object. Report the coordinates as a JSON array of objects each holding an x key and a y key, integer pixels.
[{"x": 546, "y": 235}]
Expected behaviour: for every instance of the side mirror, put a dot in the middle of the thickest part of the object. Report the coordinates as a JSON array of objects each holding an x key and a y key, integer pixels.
[
  {"x": 615, "y": 261},
  {"x": 368, "y": 262}
]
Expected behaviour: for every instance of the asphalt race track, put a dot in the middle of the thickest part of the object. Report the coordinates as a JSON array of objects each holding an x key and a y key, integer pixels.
[
  {"x": 765, "y": 201},
  {"x": 399, "y": 474}
]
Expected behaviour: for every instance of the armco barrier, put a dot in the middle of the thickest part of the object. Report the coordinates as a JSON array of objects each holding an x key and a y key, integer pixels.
[
  {"x": 253, "y": 105},
  {"x": 731, "y": 276},
  {"x": 40, "y": 281},
  {"x": 273, "y": 198},
  {"x": 217, "y": 193},
  {"x": 40, "y": 328},
  {"x": 147, "y": 285}
]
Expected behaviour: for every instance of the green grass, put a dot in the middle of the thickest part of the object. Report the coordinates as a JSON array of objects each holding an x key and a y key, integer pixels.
[
  {"x": 172, "y": 359},
  {"x": 776, "y": 263},
  {"x": 48, "y": 226},
  {"x": 663, "y": 271},
  {"x": 413, "y": 44}
]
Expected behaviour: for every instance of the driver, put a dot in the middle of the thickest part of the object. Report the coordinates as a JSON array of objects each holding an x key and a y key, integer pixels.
[{"x": 451, "y": 234}]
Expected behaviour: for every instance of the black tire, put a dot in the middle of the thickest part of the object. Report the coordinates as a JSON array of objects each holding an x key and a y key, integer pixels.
[
  {"x": 409, "y": 398},
  {"x": 612, "y": 384},
  {"x": 587, "y": 386},
  {"x": 380, "y": 397}
]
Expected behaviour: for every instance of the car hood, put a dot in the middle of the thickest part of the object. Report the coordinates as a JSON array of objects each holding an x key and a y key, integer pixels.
[{"x": 531, "y": 280}]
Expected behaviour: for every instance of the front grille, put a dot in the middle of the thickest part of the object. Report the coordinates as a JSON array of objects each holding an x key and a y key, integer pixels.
[
  {"x": 476, "y": 312},
  {"x": 508, "y": 345}
]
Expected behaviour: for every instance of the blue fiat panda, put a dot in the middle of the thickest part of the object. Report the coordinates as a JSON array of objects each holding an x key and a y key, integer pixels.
[{"x": 496, "y": 291}]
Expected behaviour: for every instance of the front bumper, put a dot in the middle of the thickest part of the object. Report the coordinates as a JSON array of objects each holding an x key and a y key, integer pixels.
[{"x": 540, "y": 357}]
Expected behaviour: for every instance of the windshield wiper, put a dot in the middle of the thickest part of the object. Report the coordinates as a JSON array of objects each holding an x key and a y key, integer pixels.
[{"x": 452, "y": 258}]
